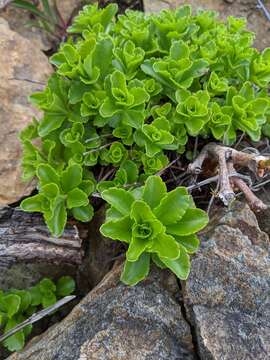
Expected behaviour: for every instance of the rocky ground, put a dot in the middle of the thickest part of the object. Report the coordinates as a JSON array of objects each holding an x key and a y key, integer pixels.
[{"x": 221, "y": 312}]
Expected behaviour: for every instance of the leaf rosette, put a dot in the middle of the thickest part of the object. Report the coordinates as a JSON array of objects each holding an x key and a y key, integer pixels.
[{"x": 155, "y": 224}]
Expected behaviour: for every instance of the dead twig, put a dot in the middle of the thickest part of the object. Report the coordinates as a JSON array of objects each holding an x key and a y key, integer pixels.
[
  {"x": 254, "y": 202},
  {"x": 264, "y": 9},
  {"x": 167, "y": 167},
  {"x": 223, "y": 160},
  {"x": 37, "y": 316}
]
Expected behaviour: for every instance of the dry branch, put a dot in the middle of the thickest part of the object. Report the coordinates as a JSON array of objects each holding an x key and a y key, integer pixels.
[{"x": 224, "y": 161}]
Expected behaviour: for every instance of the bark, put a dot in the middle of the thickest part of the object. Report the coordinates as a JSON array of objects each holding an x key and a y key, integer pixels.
[{"x": 24, "y": 238}]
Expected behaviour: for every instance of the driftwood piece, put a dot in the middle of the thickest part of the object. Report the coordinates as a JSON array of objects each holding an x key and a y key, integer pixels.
[{"x": 25, "y": 237}]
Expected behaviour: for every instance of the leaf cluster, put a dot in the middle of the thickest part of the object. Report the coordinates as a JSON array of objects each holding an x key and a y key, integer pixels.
[
  {"x": 156, "y": 225},
  {"x": 126, "y": 93},
  {"x": 62, "y": 192},
  {"x": 138, "y": 87},
  {"x": 17, "y": 305}
]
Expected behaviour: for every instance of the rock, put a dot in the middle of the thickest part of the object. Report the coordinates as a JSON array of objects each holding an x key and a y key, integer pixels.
[
  {"x": 115, "y": 321},
  {"x": 223, "y": 311},
  {"x": 20, "y": 19},
  {"x": 257, "y": 21},
  {"x": 23, "y": 70},
  {"x": 68, "y": 8},
  {"x": 3, "y": 3},
  {"x": 263, "y": 217},
  {"x": 227, "y": 294}
]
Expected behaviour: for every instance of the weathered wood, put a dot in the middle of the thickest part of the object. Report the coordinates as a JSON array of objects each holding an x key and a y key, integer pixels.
[{"x": 24, "y": 237}]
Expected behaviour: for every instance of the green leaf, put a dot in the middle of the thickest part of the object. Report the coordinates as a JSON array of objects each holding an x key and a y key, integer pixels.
[
  {"x": 65, "y": 286},
  {"x": 154, "y": 190},
  {"x": 180, "y": 266},
  {"x": 33, "y": 203},
  {"x": 136, "y": 271},
  {"x": 50, "y": 191},
  {"x": 173, "y": 206},
  {"x": 48, "y": 299},
  {"x": 83, "y": 213},
  {"x": 120, "y": 199},
  {"x": 87, "y": 186},
  {"x": 71, "y": 177},
  {"x": 25, "y": 297},
  {"x": 193, "y": 221},
  {"x": 136, "y": 247},
  {"x": 118, "y": 229},
  {"x": 36, "y": 296},
  {"x": 46, "y": 285},
  {"x": 141, "y": 212},
  {"x": 76, "y": 198},
  {"x": 56, "y": 221},
  {"x": 165, "y": 246},
  {"x": 47, "y": 174},
  {"x": 157, "y": 261},
  {"x": 27, "y": 330},
  {"x": 191, "y": 243},
  {"x": 11, "y": 303},
  {"x": 70, "y": 53},
  {"x": 16, "y": 341},
  {"x": 49, "y": 123}
]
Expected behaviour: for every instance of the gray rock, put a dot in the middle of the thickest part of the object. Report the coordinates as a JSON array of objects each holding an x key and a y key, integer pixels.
[
  {"x": 19, "y": 21},
  {"x": 3, "y": 3},
  {"x": 227, "y": 296},
  {"x": 225, "y": 305},
  {"x": 263, "y": 217},
  {"x": 23, "y": 70},
  {"x": 115, "y": 321}
]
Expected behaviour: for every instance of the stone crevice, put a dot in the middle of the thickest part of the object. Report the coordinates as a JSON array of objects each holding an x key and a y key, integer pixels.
[{"x": 191, "y": 327}]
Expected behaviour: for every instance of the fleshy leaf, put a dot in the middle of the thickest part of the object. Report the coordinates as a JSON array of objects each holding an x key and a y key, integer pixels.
[
  {"x": 118, "y": 229},
  {"x": 56, "y": 221},
  {"x": 180, "y": 266},
  {"x": 71, "y": 177},
  {"x": 193, "y": 221},
  {"x": 65, "y": 286},
  {"x": 173, "y": 206},
  {"x": 76, "y": 198},
  {"x": 83, "y": 213},
  {"x": 120, "y": 199},
  {"x": 136, "y": 271},
  {"x": 154, "y": 191},
  {"x": 166, "y": 246},
  {"x": 191, "y": 242}
]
